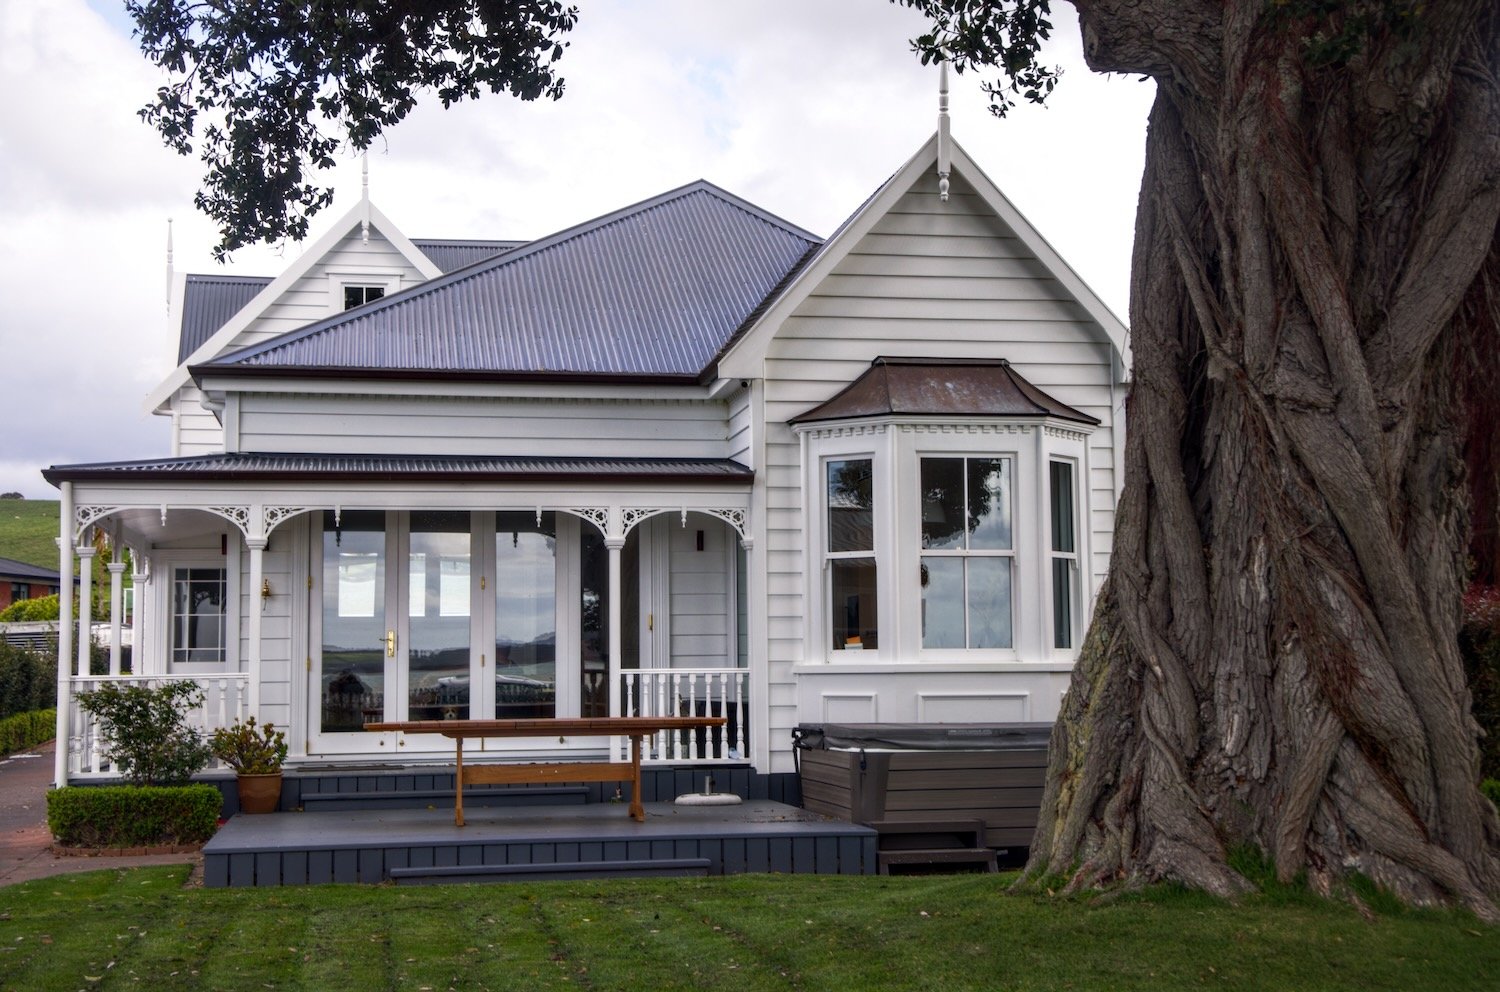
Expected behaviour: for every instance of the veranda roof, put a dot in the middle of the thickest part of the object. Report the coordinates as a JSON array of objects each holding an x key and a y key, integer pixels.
[{"x": 405, "y": 468}]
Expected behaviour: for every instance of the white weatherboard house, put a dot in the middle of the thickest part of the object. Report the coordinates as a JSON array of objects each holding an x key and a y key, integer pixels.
[{"x": 684, "y": 458}]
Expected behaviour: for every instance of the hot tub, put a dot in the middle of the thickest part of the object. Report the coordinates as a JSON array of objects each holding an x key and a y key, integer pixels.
[{"x": 885, "y": 772}]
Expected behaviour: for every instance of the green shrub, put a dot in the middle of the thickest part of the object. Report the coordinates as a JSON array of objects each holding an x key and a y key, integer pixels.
[
  {"x": 1479, "y": 643},
  {"x": 247, "y": 751},
  {"x": 28, "y": 680},
  {"x": 145, "y": 730},
  {"x": 26, "y": 730},
  {"x": 1491, "y": 788},
  {"x": 31, "y": 610},
  {"x": 133, "y": 816}
]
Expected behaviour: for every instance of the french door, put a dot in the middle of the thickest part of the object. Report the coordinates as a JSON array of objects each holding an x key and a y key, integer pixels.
[{"x": 450, "y": 615}]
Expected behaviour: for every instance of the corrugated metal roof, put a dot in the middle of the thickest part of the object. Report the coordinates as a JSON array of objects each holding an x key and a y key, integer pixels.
[
  {"x": 12, "y": 569},
  {"x": 471, "y": 468},
  {"x": 208, "y": 301},
  {"x": 941, "y": 387},
  {"x": 448, "y": 254},
  {"x": 654, "y": 289}
]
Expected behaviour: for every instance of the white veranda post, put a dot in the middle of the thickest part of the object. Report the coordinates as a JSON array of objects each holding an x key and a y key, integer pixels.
[{"x": 64, "y": 634}]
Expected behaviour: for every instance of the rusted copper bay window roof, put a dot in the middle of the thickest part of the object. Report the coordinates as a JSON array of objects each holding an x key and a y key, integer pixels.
[{"x": 941, "y": 387}]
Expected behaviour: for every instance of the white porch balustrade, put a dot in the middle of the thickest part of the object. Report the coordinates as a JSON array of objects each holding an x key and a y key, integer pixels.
[
  {"x": 225, "y": 700},
  {"x": 660, "y": 692}
]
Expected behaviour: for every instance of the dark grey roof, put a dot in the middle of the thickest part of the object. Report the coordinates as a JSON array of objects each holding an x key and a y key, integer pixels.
[
  {"x": 655, "y": 289},
  {"x": 465, "y": 468},
  {"x": 12, "y": 569},
  {"x": 449, "y": 255},
  {"x": 941, "y": 387},
  {"x": 208, "y": 301}
]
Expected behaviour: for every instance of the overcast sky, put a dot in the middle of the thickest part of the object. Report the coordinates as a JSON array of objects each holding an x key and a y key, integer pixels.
[{"x": 800, "y": 106}]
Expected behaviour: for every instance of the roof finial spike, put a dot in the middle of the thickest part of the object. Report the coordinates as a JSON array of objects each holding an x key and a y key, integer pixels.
[
  {"x": 169, "y": 266},
  {"x": 944, "y": 152},
  {"x": 364, "y": 197}
]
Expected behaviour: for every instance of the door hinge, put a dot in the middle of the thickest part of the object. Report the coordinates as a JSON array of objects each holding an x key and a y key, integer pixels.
[
  {"x": 309, "y": 583},
  {"x": 650, "y": 621},
  {"x": 481, "y": 661},
  {"x": 481, "y": 583},
  {"x": 309, "y": 663}
]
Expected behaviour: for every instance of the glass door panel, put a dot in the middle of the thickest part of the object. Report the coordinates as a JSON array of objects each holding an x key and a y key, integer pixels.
[
  {"x": 354, "y": 651},
  {"x": 525, "y": 615},
  {"x": 438, "y": 611}
]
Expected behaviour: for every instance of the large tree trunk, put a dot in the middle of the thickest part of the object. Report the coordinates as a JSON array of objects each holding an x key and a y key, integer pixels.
[{"x": 1273, "y": 661}]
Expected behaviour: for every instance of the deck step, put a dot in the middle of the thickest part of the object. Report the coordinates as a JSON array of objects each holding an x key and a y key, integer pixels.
[
  {"x": 639, "y": 868},
  {"x": 982, "y": 857},
  {"x": 550, "y": 795}
]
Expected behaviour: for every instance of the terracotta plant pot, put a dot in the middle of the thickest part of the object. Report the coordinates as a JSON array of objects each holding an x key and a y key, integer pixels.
[{"x": 260, "y": 793}]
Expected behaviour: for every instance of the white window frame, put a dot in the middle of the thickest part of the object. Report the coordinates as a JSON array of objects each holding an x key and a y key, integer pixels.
[
  {"x": 1074, "y": 558},
  {"x": 338, "y": 280},
  {"x": 896, "y": 447},
  {"x": 965, "y": 554},
  {"x": 165, "y": 564}
]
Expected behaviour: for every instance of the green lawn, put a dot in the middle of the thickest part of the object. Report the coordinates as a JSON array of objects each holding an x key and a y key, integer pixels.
[
  {"x": 141, "y": 929},
  {"x": 28, "y": 531}
]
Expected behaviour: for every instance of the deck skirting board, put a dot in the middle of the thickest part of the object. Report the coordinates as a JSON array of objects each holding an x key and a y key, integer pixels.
[{"x": 372, "y": 846}]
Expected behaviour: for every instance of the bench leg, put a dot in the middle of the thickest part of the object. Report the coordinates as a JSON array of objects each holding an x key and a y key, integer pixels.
[
  {"x": 637, "y": 811},
  {"x": 458, "y": 785}
]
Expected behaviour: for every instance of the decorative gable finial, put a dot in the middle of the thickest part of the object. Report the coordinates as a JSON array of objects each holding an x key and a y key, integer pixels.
[
  {"x": 944, "y": 153},
  {"x": 364, "y": 197},
  {"x": 169, "y": 266}
]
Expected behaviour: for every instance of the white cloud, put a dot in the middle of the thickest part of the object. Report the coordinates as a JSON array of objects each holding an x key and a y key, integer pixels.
[{"x": 801, "y": 106}]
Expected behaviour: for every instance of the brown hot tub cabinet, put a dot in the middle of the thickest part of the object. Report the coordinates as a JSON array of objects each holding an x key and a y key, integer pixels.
[{"x": 910, "y": 773}]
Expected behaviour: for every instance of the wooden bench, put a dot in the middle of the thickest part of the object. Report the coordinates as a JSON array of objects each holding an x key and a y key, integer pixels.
[{"x": 634, "y": 727}]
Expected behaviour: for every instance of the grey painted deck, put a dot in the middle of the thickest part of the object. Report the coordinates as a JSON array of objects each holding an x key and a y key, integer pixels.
[{"x": 368, "y": 845}]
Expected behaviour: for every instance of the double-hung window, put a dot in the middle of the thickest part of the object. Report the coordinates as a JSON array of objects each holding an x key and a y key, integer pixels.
[
  {"x": 199, "y": 614},
  {"x": 968, "y": 553},
  {"x": 849, "y": 526}
]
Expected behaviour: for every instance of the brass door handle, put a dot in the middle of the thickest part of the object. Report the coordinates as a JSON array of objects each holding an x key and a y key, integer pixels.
[{"x": 390, "y": 644}]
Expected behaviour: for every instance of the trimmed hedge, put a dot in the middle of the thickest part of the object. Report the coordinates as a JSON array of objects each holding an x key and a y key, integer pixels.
[
  {"x": 25, "y": 731},
  {"x": 133, "y": 815}
]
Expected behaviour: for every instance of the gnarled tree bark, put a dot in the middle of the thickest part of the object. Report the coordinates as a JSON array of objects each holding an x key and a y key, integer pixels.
[{"x": 1273, "y": 661}]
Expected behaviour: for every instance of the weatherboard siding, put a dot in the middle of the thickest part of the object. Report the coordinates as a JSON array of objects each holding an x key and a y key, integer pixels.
[
  {"x": 930, "y": 280},
  {"x": 474, "y": 426},
  {"x": 197, "y": 431}
]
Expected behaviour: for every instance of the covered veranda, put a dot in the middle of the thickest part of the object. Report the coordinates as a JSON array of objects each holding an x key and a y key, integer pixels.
[{"x": 294, "y": 551}]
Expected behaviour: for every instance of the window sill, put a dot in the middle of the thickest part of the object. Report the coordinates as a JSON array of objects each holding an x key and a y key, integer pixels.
[{"x": 862, "y": 667}]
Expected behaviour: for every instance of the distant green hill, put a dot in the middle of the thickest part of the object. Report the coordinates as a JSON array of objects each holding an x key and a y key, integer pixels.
[{"x": 28, "y": 531}]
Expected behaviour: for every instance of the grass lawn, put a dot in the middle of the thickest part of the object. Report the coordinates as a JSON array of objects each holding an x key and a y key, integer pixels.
[
  {"x": 28, "y": 531},
  {"x": 140, "y": 929}
]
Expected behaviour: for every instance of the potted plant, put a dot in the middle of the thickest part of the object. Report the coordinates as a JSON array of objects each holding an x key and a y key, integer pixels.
[{"x": 255, "y": 754}]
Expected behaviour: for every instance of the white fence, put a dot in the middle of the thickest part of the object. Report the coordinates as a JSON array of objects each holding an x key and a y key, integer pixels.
[
  {"x": 225, "y": 700},
  {"x": 721, "y": 692}
]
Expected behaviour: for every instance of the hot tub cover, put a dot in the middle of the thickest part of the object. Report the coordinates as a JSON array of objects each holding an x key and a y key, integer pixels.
[{"x": 923, "y": 736}]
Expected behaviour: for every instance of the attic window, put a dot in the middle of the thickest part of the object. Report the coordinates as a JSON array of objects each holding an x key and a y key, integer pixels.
[{"x": 359, "y": 295}]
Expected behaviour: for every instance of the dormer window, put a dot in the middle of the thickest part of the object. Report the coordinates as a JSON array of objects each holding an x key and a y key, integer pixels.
[{"x": 355, "y": 296}]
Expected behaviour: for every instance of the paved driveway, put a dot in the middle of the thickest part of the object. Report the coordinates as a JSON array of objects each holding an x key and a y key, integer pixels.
[{"x": 26, "y": 845}]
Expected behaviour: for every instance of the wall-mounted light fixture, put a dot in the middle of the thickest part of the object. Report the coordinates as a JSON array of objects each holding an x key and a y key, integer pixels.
[{"x": 265, "y": 588}]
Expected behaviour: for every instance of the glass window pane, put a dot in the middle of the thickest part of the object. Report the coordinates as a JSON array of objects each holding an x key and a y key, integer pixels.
[
  {"x": 525, "y": 615},
  {"x": 438, "y": 640},
  {"x": 989, "y": 598},
  {"x": 352, "y": 674},
  {"x": 851, "y": 502},
  {"x": 852, "y": 614},
  {"x": 942, "y": 602},
  {"x": 198, "y": 615},
  {"x": 942, "y": 502},
  {"x": 989, "y": 486},
  {"x": 1061, "y": 480},
  {"x": 1062, "y": 603}
]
